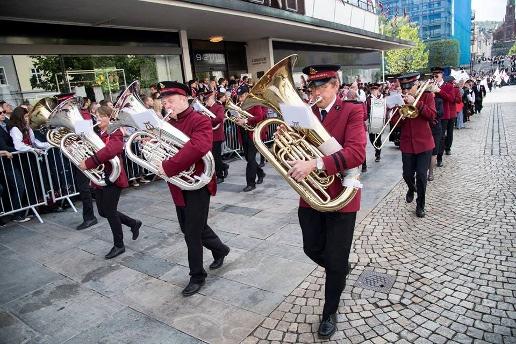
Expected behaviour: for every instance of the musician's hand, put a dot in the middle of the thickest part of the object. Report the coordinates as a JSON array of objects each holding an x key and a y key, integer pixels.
[
  {"x": 301, "y": 168},
  {"x": 241, "y": 121},
  {"x": 280, "y": 129},
  {"x": 82, "y": 165},
  {"x": 409, "y": 99},
  {"x": 161, "y": 171}
]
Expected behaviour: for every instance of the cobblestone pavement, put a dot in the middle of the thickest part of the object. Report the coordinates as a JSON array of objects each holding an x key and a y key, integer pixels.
[{"x": 453, "y": 273}]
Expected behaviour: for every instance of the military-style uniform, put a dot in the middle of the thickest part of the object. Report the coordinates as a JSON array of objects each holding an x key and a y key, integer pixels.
[
  {"x": 218, "y": 138},
  {"x": 327, "y": 236},
  {"x": 192, "y": 206},
  {"x": 416, "y": 144},
  {"x": 107, "y": 197},
  {"x": 447, "y": 94}
]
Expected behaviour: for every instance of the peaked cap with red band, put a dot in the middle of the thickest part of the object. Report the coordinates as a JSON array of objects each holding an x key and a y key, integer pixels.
[
  {"x": 320, "y": 74},
  {"x": 168, "y": 88},
  {"x": 408, "y": 80},
  {"x": 61, "y": 97}
]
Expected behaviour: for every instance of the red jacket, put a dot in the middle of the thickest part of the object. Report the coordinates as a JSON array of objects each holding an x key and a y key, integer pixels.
[
  {"x": 85, "y": 114},
  {"x": 114, "y": 147},
  {"x": 218, "y": 111},
  {"x": 416, "y": 135},
  {"x": 198, "y": 128},
  {"x": 454, "y": 107},
  {"x": 447, "y": 93},
  {"x": 259, "y": 114},
  {"x": 345, "y": 122}
]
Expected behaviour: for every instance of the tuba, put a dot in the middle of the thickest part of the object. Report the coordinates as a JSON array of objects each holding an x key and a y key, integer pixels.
[
  {"x": 38, "y": 119},
  {"x": 277, "y": 87},
  {"x": 158, "y": 139},
  {"x": 405, "y": 111},
  {"x": 78, "y": 147},
  {"x": 234, "y": 112}
]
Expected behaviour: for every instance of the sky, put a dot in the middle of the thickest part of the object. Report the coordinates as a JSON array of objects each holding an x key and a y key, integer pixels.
[{"x": 489, "y": 9}]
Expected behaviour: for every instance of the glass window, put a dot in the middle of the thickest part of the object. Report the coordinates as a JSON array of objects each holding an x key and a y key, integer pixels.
[{"x": 3, "y": 79}]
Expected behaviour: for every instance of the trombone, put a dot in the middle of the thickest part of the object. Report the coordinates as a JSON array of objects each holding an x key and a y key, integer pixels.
[{"x": 406, "y": 111}]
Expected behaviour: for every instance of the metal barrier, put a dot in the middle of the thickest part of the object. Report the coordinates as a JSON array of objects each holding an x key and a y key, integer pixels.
[
  {"x": 132, "y": 169},
  {"x": 22, "y": 183},
  {"x": 61, "y": 182}
]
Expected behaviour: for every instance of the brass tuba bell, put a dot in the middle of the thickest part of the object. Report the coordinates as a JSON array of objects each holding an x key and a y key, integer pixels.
[{"x": 277, "y": 87}]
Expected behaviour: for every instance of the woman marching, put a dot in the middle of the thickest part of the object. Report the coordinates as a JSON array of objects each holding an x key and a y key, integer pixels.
[{"x": 107, "y": 197}]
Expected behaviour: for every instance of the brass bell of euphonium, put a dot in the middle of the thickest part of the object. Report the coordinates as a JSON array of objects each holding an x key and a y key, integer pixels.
[
  {"x": 158, "y": 141},
  {"x": 78, "y": 147},
  {"x": 277, "y": 87}
]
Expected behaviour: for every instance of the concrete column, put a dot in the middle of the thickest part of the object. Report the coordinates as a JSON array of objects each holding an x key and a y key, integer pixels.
[
  {"x": 185, "y": 51},
  {"x": 260, "y": 57}
]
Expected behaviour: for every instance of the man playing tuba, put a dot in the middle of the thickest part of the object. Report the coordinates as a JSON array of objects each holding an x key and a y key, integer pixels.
[
  {"x": 191, "y": 206},
  {"x": 327, "y": 236}
]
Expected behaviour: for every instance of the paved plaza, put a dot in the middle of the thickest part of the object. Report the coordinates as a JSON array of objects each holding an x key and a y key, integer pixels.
[{"x": 447, "y": 278}]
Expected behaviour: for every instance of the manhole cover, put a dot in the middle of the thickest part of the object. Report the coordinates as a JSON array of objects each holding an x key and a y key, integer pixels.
[{"x": 375, "y": 281}]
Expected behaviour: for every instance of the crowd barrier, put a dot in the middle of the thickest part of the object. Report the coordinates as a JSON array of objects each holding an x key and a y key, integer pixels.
[
  {"x": 22, "y": 183},
  {"x": 29, "y": 180}
]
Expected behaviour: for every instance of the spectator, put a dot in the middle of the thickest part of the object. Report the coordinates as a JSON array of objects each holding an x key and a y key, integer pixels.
[
  {"x": 106, "y": 102},
  {"x": 7, "y": 109},
  {"x": 22, "y": 135}
]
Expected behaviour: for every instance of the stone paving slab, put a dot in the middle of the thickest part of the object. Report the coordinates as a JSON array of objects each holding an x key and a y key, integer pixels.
[{"x": 454, "y": 271}]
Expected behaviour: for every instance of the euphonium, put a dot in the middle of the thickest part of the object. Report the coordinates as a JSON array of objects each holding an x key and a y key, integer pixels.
[
  {"x": 38, "y": 119},
  {"x": 158, "y": 142},
  {"x": 237, "y": 113},
  {"x": 405, "y": 111},
  {"x": 199, "y": 107},
  {"x": 274, "y": 88},
  {"x": 78, "y": 147}
]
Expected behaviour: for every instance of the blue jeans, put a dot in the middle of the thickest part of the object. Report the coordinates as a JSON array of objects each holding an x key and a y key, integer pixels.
[{"x": 460, "y": 120}]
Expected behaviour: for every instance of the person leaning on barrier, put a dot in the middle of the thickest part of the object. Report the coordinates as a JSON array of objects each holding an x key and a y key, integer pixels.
[
  {"x": 107, "y": 197},
  {"x": 22, "y": 135}
]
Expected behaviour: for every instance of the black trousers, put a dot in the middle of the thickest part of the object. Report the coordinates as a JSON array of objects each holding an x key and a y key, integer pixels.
[
  {"x": 217, "y": 155},
  {"x": 449, "y": 134},
  {"x": 107, "y": 204},
  {"x": 327, "y": 239},
  {"x": 82, "y": 184},
  {"x": 377, "y": 152},
  {"x": 444, "y": 127},
  {"x": 193, "y": 220},
  {"x": 436, "y": 134},
  {"x": 415, "y": 173},
  {"x": 478, "y": 105},
  {"x": 252, "y": 169}
]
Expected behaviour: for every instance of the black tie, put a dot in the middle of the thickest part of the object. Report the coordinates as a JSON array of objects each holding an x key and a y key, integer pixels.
[{"x": 323, "y": 114}]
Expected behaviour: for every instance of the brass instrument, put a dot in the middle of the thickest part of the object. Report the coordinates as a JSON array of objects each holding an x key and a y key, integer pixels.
[
  {"x": 406, "y": 111},
  {"x": 199, "y": 107},
  {"x": 158, "y": 143},
  {"x": 274, "y": 88},
  {"x": 234, "y": 112},
  {"x": 38, "y": 119},
  {"x": 78, "y": 147}
]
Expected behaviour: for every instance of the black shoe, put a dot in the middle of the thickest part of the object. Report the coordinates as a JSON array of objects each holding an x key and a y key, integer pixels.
[
  {"x": 262, "y": 164},
  {"x": 364, "y": 169},
  {"x": 328, "y": 327},
  {"x": 439, "y": 164},
  {"x": 377, "y": 159},
  {"x": 225, "y": 173},
  {"x": 249, "y": 188},
  {"x": 430, "y": 177},
  {"x": 115, "y": 251},
  {"x": 136, "y": 229},
  {"x": 448, "y": 152},
  {"x": 87, "y": 223},
  {"x": 192, "y": 288},
  {"x": 410, "y": 196},
  {"x": 260, "y": 178},
  {"x": 218, "y": 262},
  {"x": 420, "y": 212},
  {"x": 220, "y": 180}
]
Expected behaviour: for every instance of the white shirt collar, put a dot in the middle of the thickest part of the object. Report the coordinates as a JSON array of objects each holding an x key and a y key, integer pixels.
[{"x": 328, "y": 108}]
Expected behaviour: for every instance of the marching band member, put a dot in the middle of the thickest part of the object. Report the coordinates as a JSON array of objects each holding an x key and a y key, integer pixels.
[
  {"x": 448, "y": 96},
  {"x": 107, "y": 197},
  {"x": 218, "y": 134},
  {"x": 416, "y": 142},
  {"x": 192, "y": 206},
  {"x": 252, "y": 169},
  {"x": 375, "y": 102},
  {"x": 327, "y": 236}
]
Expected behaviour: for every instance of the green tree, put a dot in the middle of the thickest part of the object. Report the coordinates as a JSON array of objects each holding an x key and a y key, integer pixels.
[
  {"x": 404, "y": 60},
  {"x": 443, "y": 52},
  {"x": 142, "y": 68},
  {"x": 512, "y": 51}
]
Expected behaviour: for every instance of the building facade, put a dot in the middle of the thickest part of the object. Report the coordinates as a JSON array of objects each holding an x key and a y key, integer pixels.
[
  {"x": 504, "y": 36},
  {"x": 437, "y": 19},
  {"x": 182, "y": 40}
]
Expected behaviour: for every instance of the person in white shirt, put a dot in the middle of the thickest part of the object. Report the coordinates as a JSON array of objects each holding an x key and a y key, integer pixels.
[{"x": 22, "y": 134}]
